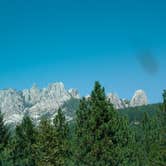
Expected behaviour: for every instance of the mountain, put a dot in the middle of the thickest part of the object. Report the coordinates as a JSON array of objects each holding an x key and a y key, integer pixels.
[
  {"x": 37, "y": 102},
  {"x": 139, "y": 99},
  {"x": 116, "y": 101},
  {"x": 12, "y": 105}
]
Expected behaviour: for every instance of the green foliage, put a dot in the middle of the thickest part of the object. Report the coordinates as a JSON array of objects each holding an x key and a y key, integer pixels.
[
  {"x": 149, "y": 148},
  {"x": 5, "y": 157},
  {"x": 46, "y": 144},
  {"x": 101, "y": 133},
  {"x": 162, "y": 123},
  {"x": 23, "y": 142},
  {"x": 4, "y": 133},
  {"x": 52, "y": 146},
  {"x": 150, "y": 142},
  {"x": 62, "y": 134},
  {"x": 135, "y": 114},
  {"x": 4, "y": 141}
]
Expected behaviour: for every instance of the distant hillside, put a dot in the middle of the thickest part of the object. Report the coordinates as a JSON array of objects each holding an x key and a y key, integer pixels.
[{"x": 136, "y": 113}]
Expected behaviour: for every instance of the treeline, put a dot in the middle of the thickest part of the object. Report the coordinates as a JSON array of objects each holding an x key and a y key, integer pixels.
[
  {"x": 135, "y": 114},
  {"x": 98, "y": 136}
]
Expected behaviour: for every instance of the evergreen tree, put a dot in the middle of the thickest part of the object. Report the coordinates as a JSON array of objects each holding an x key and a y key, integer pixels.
[
  {"x": 23, "y": 142},
  {"x": 4, "y": 140},
  {"x": 162, "y": 122},
  {"x": 146, "y": 149},
  {"x": 52, "y": 144},
  {"x": 164, "y": 119},
  {"x": 150, "y": 141},
  {"x": 102, "y": 135},
  {"x": 46, "y": 146},
  {"x": 62, "y": 134},
  {"x": 6, "y": 157},
  {"x": 4, "y": 133}
]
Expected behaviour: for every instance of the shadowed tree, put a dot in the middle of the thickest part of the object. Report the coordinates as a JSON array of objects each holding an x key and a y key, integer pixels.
[
  {"x": 52, "y": 146},
  {"x": 62, "y": 135},
  {"x": 46, "y": 146},
  {"x": 4, "y": 141},
  {"x": 24, "y": 140},
  {"x": 162, "y": 119},
  {"x": 4, "y": 133},
  {"x": 102, "y": 135}
]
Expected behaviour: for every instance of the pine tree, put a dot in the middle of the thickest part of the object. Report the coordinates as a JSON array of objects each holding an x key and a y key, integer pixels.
[
  {"x": 46, "y": 146},
  {"x": 4, "y": 141},
  {"x": 148, "y": 141},
  {"x": 62, "y": 134},
  {"x": 102, "y": 135},
  {"x": 147, "y": 145},
  {"x": 6, "y": 157},
  {"x": 4, "y": 133},
  {"x": 162, "y": 119},
  {"x": 162, "y": 122},
  {"x": 23, "y": 142},
  {"x": 52, "y": 146}
]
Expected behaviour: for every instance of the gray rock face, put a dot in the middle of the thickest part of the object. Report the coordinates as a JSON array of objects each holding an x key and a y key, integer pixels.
[
  {"x": 12, "y": 105},
  {"x": 35, "y": 102},
  {"x": 139, "y": 99},
  {"x": 45, "y": 102},
  {"x": 31, "y": 96},
  {"x": 74, "y": 93},
  {"x": 51, "y": 99},
  {"x": 116, "y": 101}
]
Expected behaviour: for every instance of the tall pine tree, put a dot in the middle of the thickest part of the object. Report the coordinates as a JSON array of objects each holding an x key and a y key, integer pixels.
[
  {"x": 102, "y": 135},
  {"x": 46, "y": 146},
  {"x": 4, "y": 141},
  {"x": 4, "y": 133},
  {"x": 24, "y": 140},
  {"x": 162, "y": 119},
  {"x": 52, "y": 146},
  {"x": 62, "y": 135},
  {"x": 150, "y": 142}
]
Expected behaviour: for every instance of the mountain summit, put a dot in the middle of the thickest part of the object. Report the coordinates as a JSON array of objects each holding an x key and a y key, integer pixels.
[
  {"x": 45, "y": 102},
  {"x": 35, "y": 102},
  {"x": 139, "y": 99}
]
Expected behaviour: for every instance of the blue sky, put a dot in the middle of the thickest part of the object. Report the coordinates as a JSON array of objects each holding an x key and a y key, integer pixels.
[{"x": 78, "y": 42}]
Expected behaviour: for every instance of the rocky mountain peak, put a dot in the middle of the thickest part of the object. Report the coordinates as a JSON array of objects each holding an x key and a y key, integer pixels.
[
  {"x": 11, "y": 105},
  {"x": 74, "y": 93},
  {"x": 34, "y": 101},
  {"x": 115, "y": 100},
  {"x": 57, "y": 90},
  {"x": 40, "y": 102},
  {"x": 139, "y": 99},
  {"x": 32, "y": 95},
  {"x": 57, "y": 86}
]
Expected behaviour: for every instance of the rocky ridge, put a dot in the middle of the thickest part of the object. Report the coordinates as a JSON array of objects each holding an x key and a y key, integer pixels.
[
  {"x": 45, "y": 102},
  {"x": 35, "y": 102}
]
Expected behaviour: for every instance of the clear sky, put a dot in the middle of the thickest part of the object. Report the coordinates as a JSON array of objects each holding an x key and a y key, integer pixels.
[{"x": 121, "y": 43}]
